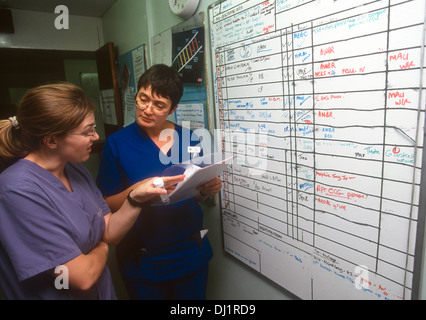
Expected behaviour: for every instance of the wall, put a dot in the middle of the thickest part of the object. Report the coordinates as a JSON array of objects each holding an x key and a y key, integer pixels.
[
  {"x": 36, "y": 30},
  {"x": 126, "y": 24}
]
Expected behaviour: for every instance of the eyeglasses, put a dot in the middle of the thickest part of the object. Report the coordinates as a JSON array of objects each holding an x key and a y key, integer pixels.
[
  {"x": 90, "y": 133},
  {"x": 156, "y": 108}
]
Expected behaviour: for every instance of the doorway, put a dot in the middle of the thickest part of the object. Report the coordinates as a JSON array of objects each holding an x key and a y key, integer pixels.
[{"x": 23, "y": 69}]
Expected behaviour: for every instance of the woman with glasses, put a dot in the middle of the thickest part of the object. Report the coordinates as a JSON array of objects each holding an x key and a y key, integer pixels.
[
  {"x": 165, "y": 255},
  {"x": 55, "y": 226}
]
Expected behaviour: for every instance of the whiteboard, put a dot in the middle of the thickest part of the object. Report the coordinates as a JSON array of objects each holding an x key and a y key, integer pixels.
[{"x": 323, "y": 104}]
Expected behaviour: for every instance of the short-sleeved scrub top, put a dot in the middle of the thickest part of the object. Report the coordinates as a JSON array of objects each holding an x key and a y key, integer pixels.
[
  {"x": 164, "y": 243},
  {"x": 43, "y": 225}
]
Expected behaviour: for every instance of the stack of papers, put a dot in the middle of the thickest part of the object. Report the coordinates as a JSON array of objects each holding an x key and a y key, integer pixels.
[{"x": 196, "y": 174}]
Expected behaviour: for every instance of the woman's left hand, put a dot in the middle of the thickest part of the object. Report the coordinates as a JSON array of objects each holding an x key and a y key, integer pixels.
[{"x": 210, "y": 188}]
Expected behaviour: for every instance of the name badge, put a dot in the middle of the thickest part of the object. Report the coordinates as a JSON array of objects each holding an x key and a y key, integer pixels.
[
  {"x": 196, "y": 150},
  {"x": 203, "y": 233}
]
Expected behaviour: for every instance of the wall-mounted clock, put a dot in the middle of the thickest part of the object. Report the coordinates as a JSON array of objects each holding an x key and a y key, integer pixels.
[{"x": 184, "y": 8}]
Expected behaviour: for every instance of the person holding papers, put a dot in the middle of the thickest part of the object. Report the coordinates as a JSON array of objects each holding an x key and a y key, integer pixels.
[
  {"x": 166, "y": 253},
  {"x": 55, "y": 226}
]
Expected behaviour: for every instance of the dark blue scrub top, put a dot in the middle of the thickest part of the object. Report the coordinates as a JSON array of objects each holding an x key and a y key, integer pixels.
[{"x": 159, "y": 247}]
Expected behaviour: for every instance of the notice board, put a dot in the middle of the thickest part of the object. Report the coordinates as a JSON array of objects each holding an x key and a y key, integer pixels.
[
  {"x": 188, "y": 55},
  {"x": 323, "y": 104}
]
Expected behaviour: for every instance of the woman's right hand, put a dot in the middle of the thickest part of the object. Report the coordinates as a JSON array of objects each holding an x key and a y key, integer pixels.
[{"x": 145, "y": 189}]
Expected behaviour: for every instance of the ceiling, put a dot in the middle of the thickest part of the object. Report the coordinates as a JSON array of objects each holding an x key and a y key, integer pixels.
[{"x": 92, "y": 8}]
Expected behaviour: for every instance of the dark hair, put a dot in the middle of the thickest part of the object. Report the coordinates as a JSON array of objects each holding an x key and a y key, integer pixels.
[
  {"x": 52, "y": 109},
  {"x": 164, "y": 81}
]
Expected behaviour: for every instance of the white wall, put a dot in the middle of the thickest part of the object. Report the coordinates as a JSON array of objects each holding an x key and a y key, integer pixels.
[{"x": 36, "y": 30}]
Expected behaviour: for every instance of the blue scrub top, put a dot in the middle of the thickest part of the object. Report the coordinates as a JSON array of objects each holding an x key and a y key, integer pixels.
[
  {"x": 160, "y": 245},
  {"x": 43, "y": 225}
]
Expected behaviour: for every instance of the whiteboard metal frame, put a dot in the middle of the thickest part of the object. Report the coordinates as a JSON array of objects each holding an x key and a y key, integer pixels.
[{"x": 421, "y": 219}]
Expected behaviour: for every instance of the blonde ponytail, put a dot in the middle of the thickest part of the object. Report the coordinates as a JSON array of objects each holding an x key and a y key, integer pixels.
[{"x": 10, "y": 146}]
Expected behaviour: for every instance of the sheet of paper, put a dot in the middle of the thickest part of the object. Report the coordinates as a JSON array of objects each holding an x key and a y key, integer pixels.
[
  {"x": 192, "y": 112},
  {"x": 189, "y": 171},
  {"x": 138, "y": 58},
  {"x": 129, "y": 106},
  {"x": 161, "y": 48},
  {"x": 197, "y": 176},
  {"x": 108, "y": 106}
]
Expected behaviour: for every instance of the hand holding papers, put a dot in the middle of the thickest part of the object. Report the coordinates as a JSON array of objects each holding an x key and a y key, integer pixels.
[{"x": 197, "y": 173}]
